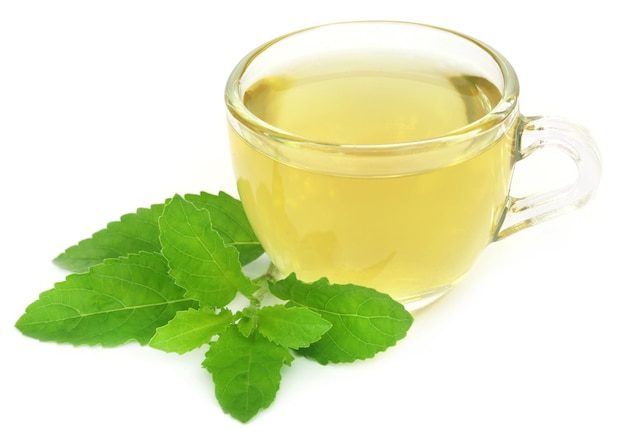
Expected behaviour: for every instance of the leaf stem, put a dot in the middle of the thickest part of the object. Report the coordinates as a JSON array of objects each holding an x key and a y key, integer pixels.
[{"x": 271, "y": 273}]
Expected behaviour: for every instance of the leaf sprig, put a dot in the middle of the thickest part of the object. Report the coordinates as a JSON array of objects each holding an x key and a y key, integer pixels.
[{"x": 165, "y": 276}]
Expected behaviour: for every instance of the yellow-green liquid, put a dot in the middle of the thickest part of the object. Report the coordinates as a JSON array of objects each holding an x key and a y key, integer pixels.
[{"x": 405, "y": 234}]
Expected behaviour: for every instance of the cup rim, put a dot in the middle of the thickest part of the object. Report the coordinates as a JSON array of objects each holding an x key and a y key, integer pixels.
[{"x": 500, "y": 113}]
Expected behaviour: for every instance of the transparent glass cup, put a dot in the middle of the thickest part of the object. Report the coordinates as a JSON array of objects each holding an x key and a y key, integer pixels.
[{"x": 382, "y": 154}]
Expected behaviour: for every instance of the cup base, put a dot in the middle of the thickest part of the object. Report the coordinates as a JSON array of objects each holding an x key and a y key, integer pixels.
[{"x": 417, "y": 302}]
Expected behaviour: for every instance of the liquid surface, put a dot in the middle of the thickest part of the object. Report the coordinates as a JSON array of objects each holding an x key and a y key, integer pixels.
[
  {"x": 323, "y": 103},
  {"x": 406, "y": 235}
]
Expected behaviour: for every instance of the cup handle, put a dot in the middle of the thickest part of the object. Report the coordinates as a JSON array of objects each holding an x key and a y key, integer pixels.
[{"x": 540, "y": 133}]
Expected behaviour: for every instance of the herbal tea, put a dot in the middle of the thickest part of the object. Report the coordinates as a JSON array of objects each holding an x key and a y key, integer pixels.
[{"x": 406, "y": 234}]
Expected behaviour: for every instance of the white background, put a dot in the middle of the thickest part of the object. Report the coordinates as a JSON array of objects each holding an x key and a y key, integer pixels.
[{"x": 106, "y": 106}]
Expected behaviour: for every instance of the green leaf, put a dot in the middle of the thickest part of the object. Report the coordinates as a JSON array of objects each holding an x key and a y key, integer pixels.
[
  {"x": 133, "y": 233},
  {"x": 117, "y": 301},
  {"x": 246, "y": 325},
  {"x": 190, "y": 329},
  {"x": 246, "y": 372},
  {"x": 199, "y": 260},
  {"x": 230, "y": 221},
  {"x": 364, "y": 321},
  {"x": 293, "y": 328},
  {"x": 139, "y": 231}
]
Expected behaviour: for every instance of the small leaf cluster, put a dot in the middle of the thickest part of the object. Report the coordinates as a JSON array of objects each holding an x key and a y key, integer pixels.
[{"x": 167, "y": 277}]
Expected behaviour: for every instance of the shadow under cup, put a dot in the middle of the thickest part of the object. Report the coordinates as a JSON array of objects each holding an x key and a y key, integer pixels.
[{"x": 381, "y": 154}]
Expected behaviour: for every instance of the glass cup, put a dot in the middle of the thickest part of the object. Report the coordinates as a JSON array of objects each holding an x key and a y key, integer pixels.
[{"x": 382, "y": 153}]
